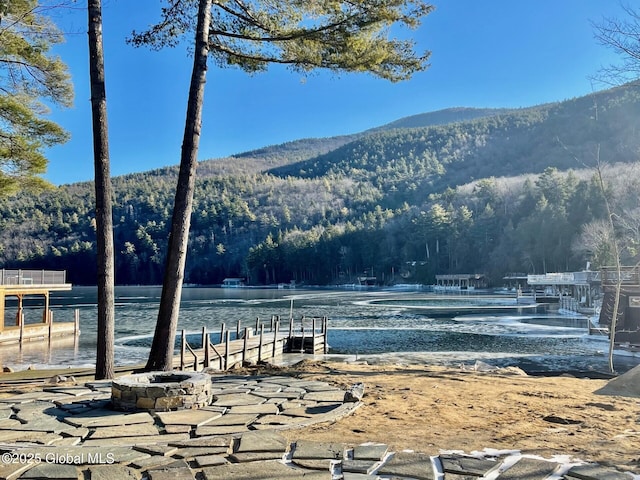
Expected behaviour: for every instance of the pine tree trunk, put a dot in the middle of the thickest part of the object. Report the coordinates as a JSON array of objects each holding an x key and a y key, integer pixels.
[
  {"x": 104, "y": 222},
  {"x": 161, "y": 355}
]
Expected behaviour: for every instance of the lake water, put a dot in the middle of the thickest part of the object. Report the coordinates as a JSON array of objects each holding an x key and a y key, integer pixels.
[{"x": 379, "y": 326}]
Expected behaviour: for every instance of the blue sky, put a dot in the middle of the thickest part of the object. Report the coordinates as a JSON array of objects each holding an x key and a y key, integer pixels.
[{"x": 489, "y": 53}]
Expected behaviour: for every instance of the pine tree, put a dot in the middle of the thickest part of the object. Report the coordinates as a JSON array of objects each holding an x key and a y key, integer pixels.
[
  {"x": 104, "y": 194},
  {"x": 342, "y": 36},
  {"x": 29, "y": 76}
]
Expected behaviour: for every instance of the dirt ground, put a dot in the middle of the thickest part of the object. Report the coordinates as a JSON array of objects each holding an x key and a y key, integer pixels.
[{"x": 430, "y": 409}]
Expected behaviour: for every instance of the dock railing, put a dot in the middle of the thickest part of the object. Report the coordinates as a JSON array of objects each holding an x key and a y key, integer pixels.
[
  {"x": 264, "y": 343},
  {"x": 629, "y": 276},
  {"x": 32, "y": 277},
  {"x": 551, "y": 279}
]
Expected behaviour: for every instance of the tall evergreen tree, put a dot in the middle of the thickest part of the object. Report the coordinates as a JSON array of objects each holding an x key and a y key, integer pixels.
[
  {"x": 104, "y": 221},
  {"x": 29, "y": 76},
  {"x": 350, "y": 36}
]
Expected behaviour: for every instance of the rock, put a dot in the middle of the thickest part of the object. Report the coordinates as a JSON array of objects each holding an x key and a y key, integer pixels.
[
  {"x": 269, "y": 470},
  {"x": 49, "y": 470},
  {"x": 512, "y": 371},
  {"x": 529, "y": 468},
  {"x": 266, "y": 441},
  {"x": 307, "y": 449},
  {"x": 210, "y": 460},
  {"x": 107, "y": 472},
  {"x": 414, "y": 465},
  {"x": 7, "y": 370},
  {"x": 57, "y": 379},
  {"x": 254, "y": 457},
  {"x": 561, "y": 420},
  {"x": 184, "y": 473},
  {"x": 481, "y": 366},
  {"x": 595, "y": 472},
  {"x": 355, "y": 393},
  {"x": 626, "y": 385},
  {"x": 370, "y": 452},
  {"x": 462, "y": 465},
  {"x": 358, "y": 466}
]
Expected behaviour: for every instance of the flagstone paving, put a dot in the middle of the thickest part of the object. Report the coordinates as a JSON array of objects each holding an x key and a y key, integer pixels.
[{"x": 70, "y": 432}]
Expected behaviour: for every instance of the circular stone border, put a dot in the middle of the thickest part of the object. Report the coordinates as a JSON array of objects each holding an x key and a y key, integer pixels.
[{"x": 161, "y": 391}]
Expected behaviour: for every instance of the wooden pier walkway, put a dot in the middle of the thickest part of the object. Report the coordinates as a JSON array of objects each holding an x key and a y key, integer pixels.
[{"x": 253, "y": 344}]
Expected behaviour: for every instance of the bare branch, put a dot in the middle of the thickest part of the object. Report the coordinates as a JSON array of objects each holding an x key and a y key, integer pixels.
[{"x": 623, "y": 37}]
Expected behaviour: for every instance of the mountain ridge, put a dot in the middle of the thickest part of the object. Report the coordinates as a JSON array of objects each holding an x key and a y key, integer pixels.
[
  {"x": 396, "y": 201},
  {"x": 321, "y": 145}
]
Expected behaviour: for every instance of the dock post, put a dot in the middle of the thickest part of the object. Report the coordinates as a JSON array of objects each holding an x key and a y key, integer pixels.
[
  {"x": 302, "y": 350},
  {"x": 222, "y": 328},
  {"x": 245, "y": 347},
  {"x": 76, "y": 329},
  {"x": 238, "y": 330},
  {"x": 50, "y": 321},
  {"x": 257, "y": 324},
  {"x": 273, "y": 318},
  {"x": 205, "y": 347},
  {"x": 290, "y": 334},
  {"x": 21, "y": 313},
  {"x": 275, "y": 340},
  {"x": 227, "y": 347},
  {"x": 183, "y": 348},
  {"x": 261, "y": 340},
  {"x": 291, "y": 310},
  {"x": 325, "y": 332},
  {"x": 313, "y": 335}
]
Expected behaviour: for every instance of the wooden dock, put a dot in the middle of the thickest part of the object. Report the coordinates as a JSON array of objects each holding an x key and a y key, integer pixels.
[
  {"x": 257, "y": 344},
  {"x": 28, "y": 283}
]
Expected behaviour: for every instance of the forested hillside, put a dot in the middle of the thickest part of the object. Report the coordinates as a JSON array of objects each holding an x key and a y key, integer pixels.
[
  {"x": 506, "y": 191},
  {"x": 441, "y": 117}
]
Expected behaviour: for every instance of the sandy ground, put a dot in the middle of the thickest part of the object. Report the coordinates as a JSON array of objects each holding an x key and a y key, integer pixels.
[{"x": 430, "y": 409}]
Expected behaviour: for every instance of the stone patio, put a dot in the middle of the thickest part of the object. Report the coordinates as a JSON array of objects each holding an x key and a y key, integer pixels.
[{"x": 71, "y": 433}]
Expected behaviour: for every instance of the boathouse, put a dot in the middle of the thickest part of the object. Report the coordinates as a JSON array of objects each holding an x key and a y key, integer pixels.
[
  {"x": 572, "y": 290},
  {"x": 460, "y": 281},
  {"x": 628, "y": 318},
  {"x": 515, "y": 281},
  {"x": 233, "y": 283},
  {"x": 27, "y": 284}
]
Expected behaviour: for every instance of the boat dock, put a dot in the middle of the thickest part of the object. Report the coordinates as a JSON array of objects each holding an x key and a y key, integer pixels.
[
  {"x": 573, "y": 291},
  {"x": 23, "y": 284},
  {"x": 260, "y": 343}
]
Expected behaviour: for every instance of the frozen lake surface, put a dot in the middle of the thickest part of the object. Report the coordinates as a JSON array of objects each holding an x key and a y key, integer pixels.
[{"x": 379, "y": 326}]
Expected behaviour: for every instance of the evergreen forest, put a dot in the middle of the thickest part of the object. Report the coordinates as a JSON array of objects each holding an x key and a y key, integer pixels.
[{"x": 489, "y": 191}]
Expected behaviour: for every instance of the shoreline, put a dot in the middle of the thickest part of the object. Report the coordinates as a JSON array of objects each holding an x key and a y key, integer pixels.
[{"x": 464, "y": 360}]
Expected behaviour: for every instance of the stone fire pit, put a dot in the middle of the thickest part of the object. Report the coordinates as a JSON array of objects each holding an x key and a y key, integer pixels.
[{"x": 161, "y": 391}]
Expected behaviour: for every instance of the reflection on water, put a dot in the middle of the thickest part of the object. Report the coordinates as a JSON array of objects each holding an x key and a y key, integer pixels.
[
  {"x": 61, "y": 350},
  {"x": 383, "y": 326}
]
